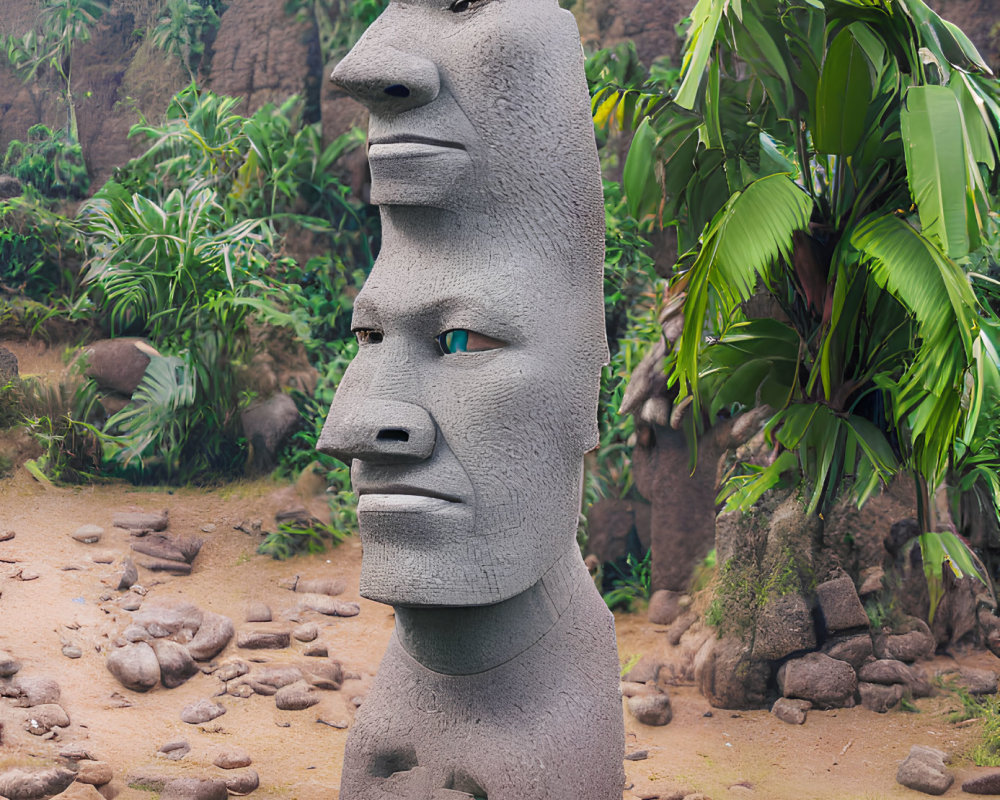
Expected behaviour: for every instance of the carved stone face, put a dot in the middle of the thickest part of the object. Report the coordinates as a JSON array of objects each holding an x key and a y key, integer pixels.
[
  {"x": 471, "y": 108},
  {"x": 467, "y": 464}
]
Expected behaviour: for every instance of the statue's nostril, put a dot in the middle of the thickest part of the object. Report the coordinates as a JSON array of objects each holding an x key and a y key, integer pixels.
[
  {"x": 393, "y": 435},
  {"x": 397, "y": 90}
]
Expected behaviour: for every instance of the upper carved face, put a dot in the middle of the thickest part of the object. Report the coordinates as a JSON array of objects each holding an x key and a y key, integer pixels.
[
  {"x": 475, "y": 105},
  {"x": 466, "y": 412}
]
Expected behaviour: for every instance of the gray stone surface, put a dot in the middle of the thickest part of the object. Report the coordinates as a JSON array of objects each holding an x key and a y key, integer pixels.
[
  {"x": 880, "y": 697},
  {"x": 784, "y": 626},
  {"x": 885, "y": 671},
  {"x": 117, "y": 364},
  {"x": 856, "y": 650},
  {"x": 267, "y": 426},
  {"x": 214, "y": 633},
  {"x": 651, "y": 709},
  {"x": 8, "y": 664},
  {"x": 34, "y": 784},
  {"x": 195, "y": 789},
  {"x": 135, "y": 666},
  {"x": 924, "y": 770},
  {"x": 232, "y": 758},
  {"x": 296, "y": 696},
  {"x": 839, "y": 605},
  {"x": 42, "y": 718},
  {"x": 470, "y": 405},
  {"x": 242, "y": 782},
  {"x": 825, "y": 681},
  {"x": 176, "y": 663},
  {"x": 33, "y": 690},
  {"x": 141, "y": 520},
  {"x": 988, "y": 783},
  {"x": 790, "y": 710},
  {"x": 263, "y": 640},
  {"x": 201, "y": 711},
  {"x": 978, "y": 681},
  {"x": 88, "y": 534}
]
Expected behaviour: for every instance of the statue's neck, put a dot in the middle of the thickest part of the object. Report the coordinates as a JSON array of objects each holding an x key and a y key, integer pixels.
[{"x": 467, "y": 640}]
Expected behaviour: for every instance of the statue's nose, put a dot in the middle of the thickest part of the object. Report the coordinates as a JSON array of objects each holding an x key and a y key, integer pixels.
[
  {"x": 387, "y": 80},
  {"x": 379, "y": 431}
]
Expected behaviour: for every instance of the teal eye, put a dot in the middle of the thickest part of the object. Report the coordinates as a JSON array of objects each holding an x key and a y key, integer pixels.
[
  {"x": 456, "y": 341},
  {"x": 460, "y": 340}
]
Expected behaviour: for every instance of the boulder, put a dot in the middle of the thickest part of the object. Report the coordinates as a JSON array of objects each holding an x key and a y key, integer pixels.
[
  {"x": 306, "y": 633},
  {"x": 9, "y": 187},
  {"x": 267, "y": 426},
  {"x": 879, "y": 697},
  {"x": 825, "y": 681},
  {"x": 232, "y": 758},
  {"x": 839, "y": 605},
  {"x": 88, "y": 534},
  {"x": 296, "y": 697},
  {"x": 258, "y": 612},
  {"x": 911, "y": 645},
  {"x": 329, "y": 606},
  {"x": 176, "y": 663},
  {"x": 201, "y": 711},
  {"x": 28, "y": 691},
  {"x": 140, "y": 520},
  {"x": 96, "y": 773},
  {"x": 170, "y": 618},
  {"x": 855, "y": 650},
  {"x": 329, "y": 586},
  {"x": 214, "y": 633},
  {"x": 135, "y": 666},
  {"x": 988, "y": 783},
  {"x": 924, "y": 770},
  {"x": 728, "y": 677},
  {"x": 28, "y": 784},
  {"x": 978, "y": 681},
  {"x": 263, "y": 640},
  {"x": 651, "y": 709},
  {"x": 8, "y": 664},
  {"x": 242, "y": 782},
  {"x": 43, "y": 718},
  {"x": 784, "y": 626},
  {"x": 791, "y": 711},
  {"x": 195, "y": 789},
  {"x": 118, "y": 365},
  {"x": 885, "y": 671}
]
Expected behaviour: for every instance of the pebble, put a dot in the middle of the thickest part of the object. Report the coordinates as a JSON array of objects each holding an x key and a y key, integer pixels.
[
  {"x": 130, "y": 602},
  {"x": 175, "y": 750},
  {"x": 296, "y": 697},
  {"x": 6, "y": 536},
  {"x": 791, "y": 711},
  {"x": 44, "y": 718},
  {"x": 208, "y": 528},
  {"x": 76, "y": 751},
  {"x": 213, "y": 635},
  {"x": 103, "y": 557},
  {"x": 924, "y": 770},
  {"x": 243, "y": 782},
  {"x": 277, "y": 676},
  {"x": 232, "y": 758},
  {"x": 162, "y": 565},
  {"x": 318, "y": 650},
  {"x": 329, "y": 606},
  {"x": 325, "y": 675},
  {"x": 201, "y": 711},
  {"x": 263, "y": 640},
  {"x": 88, "y": 534},
  {"x": 232, "y": 669},
  {"x": 72, "y": 651},
  {"x": 258, "y": 612},
  {"x": 8, "y": 664},
  {"x": 637, "y": 755},
  {"x": 127, "y": 574},
  {"x": 136, "y": 633},
  {"x": 979, "y": 681},
  {"x": 140, "y": 520},
  {"x": 306, "y": 633}
]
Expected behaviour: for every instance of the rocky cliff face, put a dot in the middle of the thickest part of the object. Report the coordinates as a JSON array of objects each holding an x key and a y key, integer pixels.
[{"x": 263, "y": 54}]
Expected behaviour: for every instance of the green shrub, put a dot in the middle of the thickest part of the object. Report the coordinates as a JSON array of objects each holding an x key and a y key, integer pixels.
[{"x": 49, "y": 161}]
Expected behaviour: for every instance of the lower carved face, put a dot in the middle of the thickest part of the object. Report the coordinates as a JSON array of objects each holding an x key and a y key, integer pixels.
[{"x": 466, "y": 412}]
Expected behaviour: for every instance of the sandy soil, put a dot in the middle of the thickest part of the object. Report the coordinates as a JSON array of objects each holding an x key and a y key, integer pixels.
[{"x": 846, "y": 754}]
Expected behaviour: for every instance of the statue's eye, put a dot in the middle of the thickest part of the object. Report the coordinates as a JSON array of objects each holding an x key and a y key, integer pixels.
[
  {"x": 460, "y": 340},
  {"x": 368, "y": 335},
  {"x": 458, "y": 6}
]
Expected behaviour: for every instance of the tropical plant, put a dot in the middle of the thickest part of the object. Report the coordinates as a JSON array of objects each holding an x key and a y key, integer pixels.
[
  {"x": 831, "y": 161},
  {"x": 49, "y": 46},
  {"x": 632, "y": 584},
  {"x": 182, "y": 30},
  {"x": 48, "y": 161}
]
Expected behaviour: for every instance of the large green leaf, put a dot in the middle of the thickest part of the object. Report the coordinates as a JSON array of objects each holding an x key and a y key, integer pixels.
[
  {"x": 642, "y": 190},
  {"x": 844, "y": 90},
  {"x": 940, "y": 549},
  {"x": 701, "y": 38},
  {"x": 934, "y": 143}
]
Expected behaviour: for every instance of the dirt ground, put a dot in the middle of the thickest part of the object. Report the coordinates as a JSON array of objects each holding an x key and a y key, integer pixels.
[{"x": 844, "y": 754}]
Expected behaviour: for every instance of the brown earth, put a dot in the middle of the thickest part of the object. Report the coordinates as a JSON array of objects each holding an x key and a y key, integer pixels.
[{"x": 843, "y": 754}]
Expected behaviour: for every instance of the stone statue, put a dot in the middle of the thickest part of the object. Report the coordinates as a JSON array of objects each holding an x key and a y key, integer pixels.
[{"x": 468, "y": 409}]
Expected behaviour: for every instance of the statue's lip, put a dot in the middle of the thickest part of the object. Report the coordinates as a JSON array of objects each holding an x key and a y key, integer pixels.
[
  {"x": 415, "y": 138},
  {"x": 406, "y": 489}
]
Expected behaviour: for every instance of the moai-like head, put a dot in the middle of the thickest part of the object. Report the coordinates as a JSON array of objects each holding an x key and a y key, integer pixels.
[{"x": 473, "y": 397}]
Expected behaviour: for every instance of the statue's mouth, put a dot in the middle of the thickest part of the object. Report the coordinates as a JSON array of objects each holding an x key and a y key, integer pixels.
[{"x": 403, "y": 139}]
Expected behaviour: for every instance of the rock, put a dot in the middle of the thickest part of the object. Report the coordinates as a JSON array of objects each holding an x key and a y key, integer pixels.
[
  {"x": 201, "y": 711},
  {"x": 329, "y": 606},
  {"x": 162, "y": 565},
  {"x": 96, "y": 773},
  {"x": 919, "y": 685},
  {"x": 126, "y": 575},
  {"x": 825, "y": 681},
  {"x": 263, "y": 640},
  {"x": 306, "y": 633},
  {"x": 213, "y": 635},
  {"x": 194, "y": 789},
  {"x": 72, "y": 651},
  {"x": 88, "y": 534},
  {"x": 296, "y": 697},
  {"x": 136, "y": 633},
  {"x": 159, "y": 547},
  {"x": 26, "y": 784},
  {"x": 244, "y": 689},
  {"x": 175, "y": 750},
  {"x": 634, "y": 689},
  {"x": 855, "y": 650},
  {"x": 243, "y": 782},
  {"x": 880, "y": 697},
  {"x": 871, "y": 580},
  {"x": 232, "y": 669},
  {"x": 839, "y": 605},
  {"x": 7, "y": 535},
  {"x": 141, "y": 520},
  {"x": 791, "y": 711},
  {"x": 784, "y": 626},
  {"x": 135, "y": 666},
  {"x": 232, "y": 758},
  {"x": 728, "y": 677},
  {"x": 80, "y": 791},
  {"x": 8, "y": 664},
  {"x": 328, "y": 586},
  {"x": 170, "y": 618},
  {"x": 117, "y": 364},
  {"x": 637, "y": 755},
  {"x": 266, "y": 426},
  {"x": 914, "y": 644},
  {"x": 176, "y": 663},
  {"x": 651, "y": 709},
  {"x": 258, "y": 612},
  {"x": 77, "y": 751},
  {"x": 277, "y": 676},
  {"x": 924, "y": 770},
  {"x": 325, "y": 675},
  {"x": 979, "y": 681},
  {"x": 130, "y": 602},
  {"x": 33, "y": 691},
  {"x": 664, "y": 607},
  {"x": 983, "y": 784},
  {"x": 43, "y": 718},
  {"x": 885, "y": 671},
  {"x": 316, "y": 650}
]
